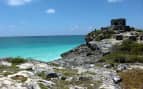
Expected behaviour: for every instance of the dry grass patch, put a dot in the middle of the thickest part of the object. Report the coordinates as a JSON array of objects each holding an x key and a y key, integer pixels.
[
  {"x": 19, "y": 78},
  {"x": 132, "y": 79}
]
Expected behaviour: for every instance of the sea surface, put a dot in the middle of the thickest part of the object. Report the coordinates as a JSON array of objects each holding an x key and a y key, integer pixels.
[{"x": 43, "y": 48}]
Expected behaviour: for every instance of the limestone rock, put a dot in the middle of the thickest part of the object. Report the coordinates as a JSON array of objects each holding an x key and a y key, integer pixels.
[
  {"x": 25, "y": 66},
  {"x": 5, "y": 63},
  {"x": 77, "y": 87},
  {"x": 122, "y": 67}
]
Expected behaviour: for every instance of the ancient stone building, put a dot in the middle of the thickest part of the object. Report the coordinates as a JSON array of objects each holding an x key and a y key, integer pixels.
[
  {"x": 118, "y": 22},
  {"x": 120, "y": 25}
]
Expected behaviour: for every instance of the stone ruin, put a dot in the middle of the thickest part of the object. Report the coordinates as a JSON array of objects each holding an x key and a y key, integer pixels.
[
  {"x": 118, "y": 25},
  {"x": 118, "y": 22}
]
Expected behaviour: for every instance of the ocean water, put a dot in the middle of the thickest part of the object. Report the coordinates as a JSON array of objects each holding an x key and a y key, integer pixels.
[{"x": 44, "y": 48}]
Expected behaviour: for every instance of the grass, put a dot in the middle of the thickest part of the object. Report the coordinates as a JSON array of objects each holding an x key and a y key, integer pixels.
[
  {"x": 17, "y": 60},
  {"x": 7, "y": 73},
  {"x": 42, "y": 86},
  {"x": 132, "y": 79},
  {"x": 61, "y": 84},
  {"x": 67, "y": 72},
  {"x": 99, "y": 35},
  {"x": 54, "y": 64},
  {"x": 9, "y": 70},
  {"x": 128, "y": 52},
  {"x": 42, "y": 75},
  {"x": 122, "y": 58}
]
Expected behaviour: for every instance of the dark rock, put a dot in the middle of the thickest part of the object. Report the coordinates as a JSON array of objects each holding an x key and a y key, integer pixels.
[
  {"x": 119, "y": 37},
  {"x": 84, "y": 78},
  {"x": 52, "y": 75},
  {"x": 63, "y": 78}
]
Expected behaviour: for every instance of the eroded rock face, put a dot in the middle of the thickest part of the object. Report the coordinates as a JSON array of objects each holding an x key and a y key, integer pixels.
[{"x": 81, "y": 55}]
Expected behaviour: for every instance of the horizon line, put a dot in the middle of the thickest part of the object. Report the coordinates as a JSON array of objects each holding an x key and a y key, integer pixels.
[{"x": 40, "y": 35}]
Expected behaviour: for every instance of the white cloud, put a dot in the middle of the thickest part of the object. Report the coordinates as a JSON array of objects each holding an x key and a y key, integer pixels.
[
  {"x": 114, "y": 1},
  {"x": 18, "y": 2},
  {"x": 51, "y": 11}
]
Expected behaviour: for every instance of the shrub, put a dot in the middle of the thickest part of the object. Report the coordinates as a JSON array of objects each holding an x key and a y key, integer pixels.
[
  {"x": 114, "y": 58},
  {"x": 42, "y": 86},
  {"x": 17, "y": 60},
  {"x": 99, "y": 35},
  {"x": 128, "y": 52}
]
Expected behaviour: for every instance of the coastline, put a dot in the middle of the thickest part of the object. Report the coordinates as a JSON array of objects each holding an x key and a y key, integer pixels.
[{"x": 110, "y": 59}]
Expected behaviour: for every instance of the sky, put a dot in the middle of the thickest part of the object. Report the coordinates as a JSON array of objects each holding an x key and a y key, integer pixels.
[{"x": 65, "y": 17}]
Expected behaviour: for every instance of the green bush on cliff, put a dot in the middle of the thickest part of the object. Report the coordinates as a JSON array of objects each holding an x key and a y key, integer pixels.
[
  {"x": 130, "y": 47},
  {"x": 100, "y": 35},
  {"x": 17, "y": 60},
  {"x": 122, "y": 58},
  {"x": 128, "y": 52}
]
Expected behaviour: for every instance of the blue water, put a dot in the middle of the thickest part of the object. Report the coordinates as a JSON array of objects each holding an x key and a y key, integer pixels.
[{"x": 46, "y": 48}]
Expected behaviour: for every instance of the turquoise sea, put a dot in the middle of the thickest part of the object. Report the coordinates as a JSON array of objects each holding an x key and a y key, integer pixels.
[{"x": 44, "y": 48}]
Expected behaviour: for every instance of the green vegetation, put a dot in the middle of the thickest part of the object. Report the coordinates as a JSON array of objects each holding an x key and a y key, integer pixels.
[
  {"x": 42, "y": 75},
  {"x": 7, "y": 73},
  {"x": 42, "y": 86},
  {"x": 100, "y": 35},
  {"x": 8, "y": 70},
  {"x": 128, "y": 52},
  {"x": 132, "y": 79},
  {"x": 139, "y": 30},
  {"x": 17, "y": 60},
  {"x": 61, "y": 84},
  {"x": 12, "y": 69},
  {"x": 67, "y": 72},
  {"x": 53, "y": 64}
]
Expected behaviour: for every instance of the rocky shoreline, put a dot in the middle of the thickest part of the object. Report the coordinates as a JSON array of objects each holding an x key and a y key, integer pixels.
[
  {"x": 79, "y": 68},
  {"x": 39, "y": 75}
]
